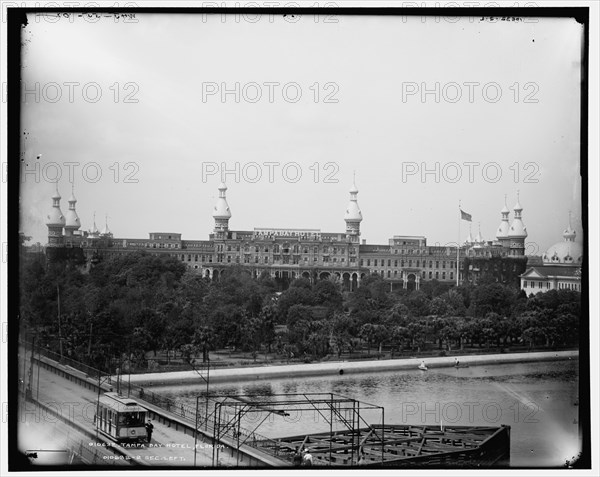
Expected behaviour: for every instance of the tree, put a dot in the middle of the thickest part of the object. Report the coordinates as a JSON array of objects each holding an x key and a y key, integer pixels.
[
  {"x": 417, "y": 303},
  {"x": 341, "y": 331},
  {"x": 492, "y": 298},
  {"x": 203, "y": 340},
  {"x": 529, "y": 324},
  {"x": 292, "y": 297},
  {"x": 328, "y": 293},
  {"x": 418, "y": 331}
]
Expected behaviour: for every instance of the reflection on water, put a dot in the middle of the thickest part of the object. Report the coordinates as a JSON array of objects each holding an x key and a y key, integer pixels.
[
  {"x": 257, "y": 389},
  {"x": 536, "y": 399}
]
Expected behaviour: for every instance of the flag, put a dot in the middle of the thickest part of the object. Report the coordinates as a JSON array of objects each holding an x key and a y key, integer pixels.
[{"x": 465, "y": 216}]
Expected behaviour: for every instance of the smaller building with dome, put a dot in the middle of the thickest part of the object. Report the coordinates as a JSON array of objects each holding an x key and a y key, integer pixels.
[{"x": 560, "y": 269}]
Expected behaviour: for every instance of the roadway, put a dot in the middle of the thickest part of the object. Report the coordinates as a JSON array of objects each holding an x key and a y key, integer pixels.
[{"x": 59, "y": 396}]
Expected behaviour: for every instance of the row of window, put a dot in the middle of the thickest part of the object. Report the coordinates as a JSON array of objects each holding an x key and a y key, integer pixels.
[
  {"x": 221, "y": 258},
  {"x": 531, "y": 284},
  {"x": 277, "y": 259},
  {"x": 286, "y": 259},
  {"x": 283, "y": 249},
  {"x": 451, "y": 264},
  {"x": 202, "y": 258},
  {"x": 424, "y": 274},
  {"x": 561, "y": 286},
  {"x": 570, "y": 286},
  {"x": 150, "y": 245}
]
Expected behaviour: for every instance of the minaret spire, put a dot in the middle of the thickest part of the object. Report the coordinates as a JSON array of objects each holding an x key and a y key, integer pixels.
[
  {"x": 94, "y": 232},
  {"x": 569, "y": 234},
  {"x": 55, "y": 221},
  {"x": 72, "y": 223},
  {"x": 503, "y": 228},
  {"x": 517, "y": 232},
  {"x": 479, "y": 238},
  {"x": 353, "y": 216},
  {"x": 221, "y": 213},
  {"x": 469, "y": 239},
  {"x": 106, "y": 231}
]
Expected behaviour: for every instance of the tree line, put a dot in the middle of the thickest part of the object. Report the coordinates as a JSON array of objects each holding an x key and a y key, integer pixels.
[{"x": 140, "y": 303}]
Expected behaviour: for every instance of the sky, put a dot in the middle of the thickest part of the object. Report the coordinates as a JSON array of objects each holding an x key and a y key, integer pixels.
[{"x": 423, "y": 112}]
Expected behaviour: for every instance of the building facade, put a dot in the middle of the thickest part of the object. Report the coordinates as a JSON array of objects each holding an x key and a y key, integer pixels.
[
  {"x": 286, "y": 254},
  {"x": 560, "y": 268}
]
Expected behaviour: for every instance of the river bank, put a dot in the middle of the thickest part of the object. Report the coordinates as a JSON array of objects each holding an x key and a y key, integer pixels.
[{"x": 346, "y": 367}]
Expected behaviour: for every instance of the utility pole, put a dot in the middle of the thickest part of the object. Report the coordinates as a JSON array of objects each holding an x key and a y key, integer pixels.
[{"x": 60, "y": 343}]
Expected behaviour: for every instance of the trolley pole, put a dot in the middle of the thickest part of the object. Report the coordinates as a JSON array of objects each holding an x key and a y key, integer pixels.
[
  {"x": 207, "y": 389},
  {"x": 38, "y": 371},
  {"x": 330, "y": 426},
  {"x": 382, "y": 435},
  {"x": 239, "y": 418},
  {"x": 216, "y": 429},
  {"x": 196, "y": 431},
  {"x": 96, "y": 416}
]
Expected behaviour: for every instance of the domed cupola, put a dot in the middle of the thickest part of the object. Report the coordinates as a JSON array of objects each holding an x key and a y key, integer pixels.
[
  {"x": 517, "y": 233},
  {"x": 353, "y": 215},
  {"x": 517, "y": 228},
  {"x": 72, "y": 222},
  {"x": 503, "y": 228},
  {"x": 221, "y": 213},
  {"x": 55, "y": 217},
  {"x": 567, "y": 252},
  {"x": 55, "y": 221},
  {"x": 221, "y": 209}
]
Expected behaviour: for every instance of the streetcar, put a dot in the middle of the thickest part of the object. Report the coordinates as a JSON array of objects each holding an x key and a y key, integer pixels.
[{"x": 120, "y": 418}]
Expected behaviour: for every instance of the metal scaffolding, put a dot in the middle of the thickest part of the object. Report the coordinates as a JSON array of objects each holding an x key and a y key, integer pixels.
[{"x": 330, "y": 406}]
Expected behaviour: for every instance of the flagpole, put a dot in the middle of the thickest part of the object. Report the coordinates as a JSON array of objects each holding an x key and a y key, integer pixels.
[{"x": 458, "y": 244}]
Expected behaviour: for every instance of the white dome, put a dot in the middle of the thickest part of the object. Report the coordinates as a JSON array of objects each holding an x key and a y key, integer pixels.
[
  {"x": 565, "y": 252},
  {"x": 55, "y": 217},
  {"x": 72, "y": 220},
  {"x": 502, "y": 231},
  {"x": 517, "y": 229},
  {"x": 221, "y": 210},
  {"x": 353, "y": 212}
]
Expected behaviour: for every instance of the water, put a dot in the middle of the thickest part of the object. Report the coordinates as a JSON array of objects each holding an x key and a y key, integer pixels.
[{"x": 536, "y": 399}]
